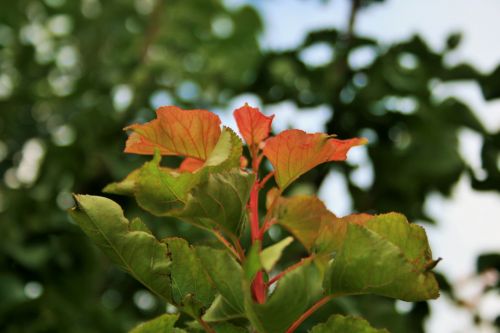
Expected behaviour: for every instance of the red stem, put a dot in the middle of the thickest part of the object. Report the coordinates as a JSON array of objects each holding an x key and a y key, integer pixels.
[
  {"x": 309, "y": 312},
  {"x": 288, "y": 269},
  {"x": 258, "y": 286}
]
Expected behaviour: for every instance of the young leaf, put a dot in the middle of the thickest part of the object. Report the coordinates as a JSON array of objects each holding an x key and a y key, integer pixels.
[
  {"x": 342, "y": 324},
  {"x": 226, "y": 275},
  {"x": 130, "y": 245},
  {"x": 294, "y": 152},
  {"x": 270, "y": 255},
  {"x": 253, "y": 125},
  {"x": 163, "y": 323},
  {"x": 295, "y": 293},
  {"x": 386, "y": 256},
  {"x": 191, "y": 133}
]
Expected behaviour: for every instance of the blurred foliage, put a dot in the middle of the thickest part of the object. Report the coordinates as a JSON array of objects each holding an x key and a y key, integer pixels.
[{"x": 73, "y": 73}]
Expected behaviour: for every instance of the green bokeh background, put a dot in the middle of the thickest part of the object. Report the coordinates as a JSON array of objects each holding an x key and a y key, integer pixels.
[{"x": 74, "y": 73}]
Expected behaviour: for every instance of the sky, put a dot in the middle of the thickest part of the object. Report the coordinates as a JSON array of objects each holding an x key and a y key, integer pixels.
[{"x": 468, "y": 221}]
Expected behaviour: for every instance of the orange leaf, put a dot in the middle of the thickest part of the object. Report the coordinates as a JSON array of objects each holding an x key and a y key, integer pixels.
[
  {"x": 294, "y": 152},
  {"x": 190, "y": 133},
  {"x": 191, "y": 164},
  {"x": 253, "y": 125}
]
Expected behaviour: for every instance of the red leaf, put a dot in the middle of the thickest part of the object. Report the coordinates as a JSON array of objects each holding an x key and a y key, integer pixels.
[
  {"x": 294, "y": 152},
  {"x": 253, "y": 125},
  {"x": 191, "y": 133}
]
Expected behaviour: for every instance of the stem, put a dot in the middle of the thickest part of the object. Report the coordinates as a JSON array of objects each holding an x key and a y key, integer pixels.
[
  {"x": 258, "y": 286},
  {"x": 227, "y": 245},
  {"x": 267, "y": 224},
  {"x": 288, "y": 269},
  {"x": 254, "y": 212},
  {"x": 266, "y": 178},
  {"x": 309, "y": 312},
  {"x": 205, "y": 326}
]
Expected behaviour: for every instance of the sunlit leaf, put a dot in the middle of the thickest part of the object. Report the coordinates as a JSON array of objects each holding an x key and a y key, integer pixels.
[
  {"x": 270, "y": 255},
  {"x": 128, "y": 244},
  {"x": 294, "y": 152},
  {"x": 253, "y": 125},
  {"x": 169, "y": 268},
  {"x": 384, "y": 255},
  {"x": 190, "y": 133}
]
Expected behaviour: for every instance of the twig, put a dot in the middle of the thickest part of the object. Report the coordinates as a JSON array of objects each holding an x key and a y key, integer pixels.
[
  {"x": 288, "y": 269},
  {"x": 227, "y": 244},
  {"x": 309, "y": 312}
]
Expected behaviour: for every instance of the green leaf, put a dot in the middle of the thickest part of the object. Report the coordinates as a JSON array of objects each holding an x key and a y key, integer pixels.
[
  {"x": 124, "y": 187},
  {"x": 227, "y": 152},
  {"x": 191, "y": 288},
  {"x": 229, "y": 328},
  {"x": 342, "y": 324},
  {"x": 252, "y": 262},
  {"x": 227, "y": 276},
  {"x": 161, "y": 192},
  {"x": 163, "y": 323},
  {"x": 130, "y": 245},
  {"x": 169, "y": 268},
  {"x": 221, "y": 310},
  {"x": 270, "y": 255},
  {"x": 295, "y": 293},
  {"x": 220, "y": 202},
  {"x": 386, "y": 256}
]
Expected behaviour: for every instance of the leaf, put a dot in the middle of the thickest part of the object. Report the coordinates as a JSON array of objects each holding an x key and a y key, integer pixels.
[
  {"x": 191, "y": 289},
  {"x": 221, "y": 310},
  {"x": 229, "y": 328},
  {"x": 169, "y": 268},
  {"x": 163, "y": 323},
  {"x": 220, "y": 202},
  {"x": 332, "y": 233},
  {"x": 253, "y": 125},
  {"x": 161, "y": 191},
  {"x": 124, "y": 187},
  {"x": 130, "y": 245},
  {"x": 384, "y": 255},
  {"x": 302, "y": 216},
  {"x": 343, "y": 324},
  {"x": 164, "y": 191},
  {"x": 190, "y": 164},
  {"x": 295, "y": 293},
  {"x": 294, "y": 152},
  {"x": 270, "y": 255},
  {"x": 190, "y": 133},
  {"x": 252, "y": 263},
  {"x": 227, "y": 152},
  {"x": 227, "y": 276}
]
